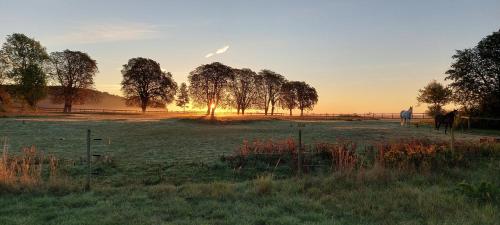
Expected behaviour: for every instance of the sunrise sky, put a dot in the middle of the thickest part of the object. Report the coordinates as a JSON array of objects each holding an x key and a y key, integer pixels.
[{"x": 362, "y": 56}]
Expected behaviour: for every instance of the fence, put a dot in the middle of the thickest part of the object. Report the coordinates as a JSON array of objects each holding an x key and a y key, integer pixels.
[
  {"x": 308, "y": 115},
  {"x": 89, "y": 110},
  {"x": 367, "y": 115}
]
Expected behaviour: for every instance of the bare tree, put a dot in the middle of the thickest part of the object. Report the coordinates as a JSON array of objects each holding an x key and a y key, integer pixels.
[
  {"x": 288, "y": 95},
  {"x": 271, "y": 86},
  {"x": 208, "y": 85},
  {"x": 145, "y": 84},
  {"x": 243, "y": 89},
  {"x": 183, "y": 97},
  {"x": 307, "y": 96},
  {"x": 74, "y": 72}
]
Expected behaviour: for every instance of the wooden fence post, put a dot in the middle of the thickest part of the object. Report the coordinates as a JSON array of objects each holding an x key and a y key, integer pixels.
[{"x": 89, "y": 168}]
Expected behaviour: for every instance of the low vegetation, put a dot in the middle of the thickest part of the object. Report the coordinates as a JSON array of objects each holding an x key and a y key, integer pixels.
[{"x": 355, "y": 179}]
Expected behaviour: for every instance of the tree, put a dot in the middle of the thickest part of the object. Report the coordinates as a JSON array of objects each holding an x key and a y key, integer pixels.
[
  {"x": 208, "y": 85},
  {"x": 436, "y": 95},
  {"x": 31, "y": 85},
  {"x": 183, "y": 97},
  {"x": 288, "y": 95},
  {"x": 243, "y": 89},
  {"x": 74, "y": 72},
  {"x": 307, "y": 97},
  {"x": 270, "y": 89},
  {"x": 23, "y": 61},
  {"x": 145, "y": 84},
  {"x": 20, "y": 51},
  {"x": 3, "y": 75},
  {"x": 475, "y": 76},
  {"x": 3, "y": 70}
]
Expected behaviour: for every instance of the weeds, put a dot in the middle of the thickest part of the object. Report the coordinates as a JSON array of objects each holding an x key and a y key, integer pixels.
[
  {"x": 25, "y": 172},
  {"x": 415, "y": 155}
]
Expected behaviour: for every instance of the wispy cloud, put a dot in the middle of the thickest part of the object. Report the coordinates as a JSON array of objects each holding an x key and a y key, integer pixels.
[
  {"x": 218, "y": 51},
  {"x": 222, "y": 50},
  {"x": 110, "y": 32}
]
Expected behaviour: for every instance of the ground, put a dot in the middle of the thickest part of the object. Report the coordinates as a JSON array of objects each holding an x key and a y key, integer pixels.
[{"x": 167, "y": 170}]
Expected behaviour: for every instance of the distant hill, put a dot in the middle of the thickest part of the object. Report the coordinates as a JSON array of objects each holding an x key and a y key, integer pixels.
[{"x": 100, "y": 100}]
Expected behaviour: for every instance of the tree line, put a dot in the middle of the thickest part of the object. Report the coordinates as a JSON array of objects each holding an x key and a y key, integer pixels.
[
  {"x": 474, "y": 81},
  {"x": 26, "y": 66}
]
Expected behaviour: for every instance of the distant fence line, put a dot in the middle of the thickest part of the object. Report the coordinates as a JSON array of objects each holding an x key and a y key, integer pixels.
[{"x": 310, "y": 115}]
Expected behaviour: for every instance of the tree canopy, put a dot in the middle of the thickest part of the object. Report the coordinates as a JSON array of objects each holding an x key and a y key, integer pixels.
[
  {"x": 475, "y": 77},
  {"x": 32, "y": 85},
  {"x": 307, "y": 97},
  {"x": 20, "y": 51},
  {"x": 208, "y": 85},
  {"x": 23, "y": 60},
  {"x": 436, "y": 95},
  {"x": 74, "y": 72},
  {"x": 183, "y": 96},
  {"x": 243, "y": 87},
  {"x": 270, "y": 88},
  {"x": 145, "y": 84},
  {"x": 288, "y": 95}
]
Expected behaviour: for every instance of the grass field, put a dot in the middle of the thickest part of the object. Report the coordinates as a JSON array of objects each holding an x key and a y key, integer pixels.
[{"x": 167, "y": 171}]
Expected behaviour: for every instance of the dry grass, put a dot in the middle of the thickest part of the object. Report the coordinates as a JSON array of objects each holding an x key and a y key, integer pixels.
[
  {"x": 25, "y": 172},
  {"x": 404, "y": 156}
]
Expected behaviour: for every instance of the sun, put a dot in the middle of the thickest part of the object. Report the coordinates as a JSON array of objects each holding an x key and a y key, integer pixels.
[{"x": 212, "y": 105}]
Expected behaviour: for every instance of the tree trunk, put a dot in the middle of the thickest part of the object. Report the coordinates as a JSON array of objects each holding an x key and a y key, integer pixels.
[
  {"x": 272, "y": 110},
  {"x": 68, "y": 103},
  {"x": 238, "y": 110},
  {"x": 290, "y": 112},
  {"x": 144, "y": 105},
  {"x": 243, "y": 111},
  {"x": 209, "y": 108},
  {"x": 213, "y": 113},
  {"x": 265, "y": 110},
  {"x": 301, "y": 112}
]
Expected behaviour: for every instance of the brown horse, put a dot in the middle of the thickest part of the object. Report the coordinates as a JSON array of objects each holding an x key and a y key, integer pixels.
[{"x": 447, "y": 119}]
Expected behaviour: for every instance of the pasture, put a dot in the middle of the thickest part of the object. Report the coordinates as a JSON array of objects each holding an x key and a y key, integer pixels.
[{"x": 168, "y": 171}]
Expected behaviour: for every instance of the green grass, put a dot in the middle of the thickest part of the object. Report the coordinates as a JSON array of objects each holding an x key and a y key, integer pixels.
[{"x": 168, "y": 172}]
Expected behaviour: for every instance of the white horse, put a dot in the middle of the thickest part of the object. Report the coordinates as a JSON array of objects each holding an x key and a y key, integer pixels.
[{"x": 406, "y": 116}]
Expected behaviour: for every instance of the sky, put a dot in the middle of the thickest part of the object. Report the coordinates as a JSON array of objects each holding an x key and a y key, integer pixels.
[{"x": 361, "y": 56}]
